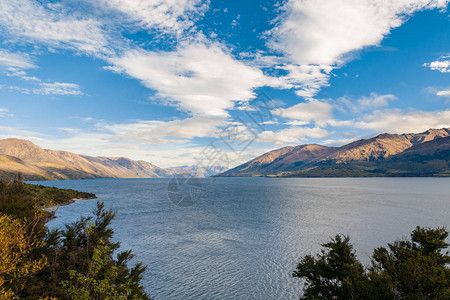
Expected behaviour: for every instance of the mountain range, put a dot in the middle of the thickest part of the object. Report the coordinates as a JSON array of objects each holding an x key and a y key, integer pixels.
[
  {"x": 421, "y": 154},
  {"x": 36, "y": 163}
]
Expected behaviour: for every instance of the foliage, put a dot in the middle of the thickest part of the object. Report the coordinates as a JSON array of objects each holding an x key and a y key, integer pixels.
[
  {"x": 335, "y": 273},
  {"x": 21, "y": 199},
  {"x": 414, "y": 269},
  {"x": 74, "y": 263},
  {"x": 54, "y": 196},
  {"x": 82, "y": 263},
  {"x": 18, "y": 238},
  {"x": 100, "y": 281}
]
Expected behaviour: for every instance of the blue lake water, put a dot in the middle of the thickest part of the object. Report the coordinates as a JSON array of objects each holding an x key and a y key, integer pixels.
[{"x": 242, "y": 237}]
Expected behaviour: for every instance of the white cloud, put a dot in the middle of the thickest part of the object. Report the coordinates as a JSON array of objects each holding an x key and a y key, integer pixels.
[
  {"x": 5, "y": 112},
  {"x": 201, "y": 79},
  {"x": 321, "y": 34},
  {"x": 101, "y": 144},
  {"x": 46, "y": 88},
  {"x": 159, "y": 132},
  {"x": 172, "y": 16},
  {"x": 364, "y": 103},
  {"x": 58, "y": 88},
  {"x": 22, "y": 74},
  {"x": 396, "y": 121},
  {"x": 7, "y": 132},
  {"x": 445, "y": 93},
  {"x": 291, "y": 135},
  {"x": 439, "y": 65},
  {"x": 50, "y": 24},
  {"x": 307, "y": 79},
  {"x": 162, "y": 143},
  {"x": 15, "y": 60},
  {"x": 375, "y": 101},
  {"x": 306, "y": 112},
  {"x": 323, "y": 31}
]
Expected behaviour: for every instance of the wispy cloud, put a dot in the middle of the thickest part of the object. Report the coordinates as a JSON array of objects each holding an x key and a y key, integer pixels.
[
  {"x": 291, "y": 135},
  {"x": 397, "y": 121},
  {"x": 324, "y": 34},
  {"x": 47, "y": 88},
  {"x": 167, "y": 16},
  {"x": 160, "y": 132},
  {"x": 52, "y": 25},
  {"x": 16, "y": 60},
  {"x": 199, "y": 78},
  {"x": 5, "y": 113},
  {"x": 307, "y": 112},
  {"x": 58, "y": 88},
  {"x": 364, "y": 103}
]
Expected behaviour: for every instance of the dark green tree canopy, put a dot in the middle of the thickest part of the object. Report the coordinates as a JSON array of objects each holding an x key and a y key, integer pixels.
[{"x": 413, "y": 269}]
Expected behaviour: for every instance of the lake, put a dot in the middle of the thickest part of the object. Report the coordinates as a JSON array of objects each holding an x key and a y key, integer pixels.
[{"x": 240, "y": 238}]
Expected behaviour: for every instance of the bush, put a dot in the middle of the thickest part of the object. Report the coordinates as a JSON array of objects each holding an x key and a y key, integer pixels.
[
  {"x": 74, "y": 263},
  {"x": 413, "y": 269}
]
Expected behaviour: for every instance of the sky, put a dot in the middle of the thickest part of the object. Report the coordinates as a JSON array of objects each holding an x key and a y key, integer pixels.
[{"x": 191, "y": 82}]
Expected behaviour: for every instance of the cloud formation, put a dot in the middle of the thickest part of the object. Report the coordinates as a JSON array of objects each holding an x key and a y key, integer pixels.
[
  {"x": 445, "y": 93},
  {"x": 291, "y": 135},
  {"x": 16, "y": 60},
  {"x": 58, "y": 88},
  {"x": 159, "y": 132},
  {"x": 51, "y": 24},
  {"x": 5, "y": 112},
  {"x": 173, "y": 16},
  {"x": 307, "y": 112},
  {"x": 439, "y": 65},
  {"x": 199, "y": 78},
  {"x": 324, "y": 34},
  {"x": 396, "y": 121}
]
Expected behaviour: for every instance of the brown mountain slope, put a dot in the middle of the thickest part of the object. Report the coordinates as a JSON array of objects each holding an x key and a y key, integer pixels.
[
  {"x": 305, "y": 158},
  {"x": 434, "y": 149},
  {"x": 276, "y": 160},
  {"x": 35, "y": 162},
  {"x": 261, "y": 161},
  {"x": 11, "y": 165},
  {"x": 384, "y": 145}
]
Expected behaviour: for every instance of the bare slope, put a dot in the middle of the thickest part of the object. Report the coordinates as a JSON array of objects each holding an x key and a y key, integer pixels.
[
  {"x": 37, "y": 163},
  {"x": 347, "y": 160}
]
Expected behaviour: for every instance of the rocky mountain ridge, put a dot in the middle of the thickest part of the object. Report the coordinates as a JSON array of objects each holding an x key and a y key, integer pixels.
[
  {"x": 362, "y": 156},
  {"x": 36, "y": 163}
]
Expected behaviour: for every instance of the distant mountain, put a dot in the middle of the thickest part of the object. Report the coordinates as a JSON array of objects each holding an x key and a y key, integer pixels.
[
  {"x": 421, "y": 154},
  {"x": 36, "y": 163},
  {"x": 196, "y": 171}
]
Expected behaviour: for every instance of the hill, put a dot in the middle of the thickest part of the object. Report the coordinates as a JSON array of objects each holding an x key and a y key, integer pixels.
[
  {"x": 421, "y": 154},
  {"x": 36, "y": 163}
]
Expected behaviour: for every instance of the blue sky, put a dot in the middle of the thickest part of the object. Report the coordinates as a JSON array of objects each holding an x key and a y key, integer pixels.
[{"x": 165, "y": 81}]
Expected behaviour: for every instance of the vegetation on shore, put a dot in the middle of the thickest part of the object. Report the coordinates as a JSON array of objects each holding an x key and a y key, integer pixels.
[
  {"x": 76, "y": 262},
  {"x": 410, "y": 269}
]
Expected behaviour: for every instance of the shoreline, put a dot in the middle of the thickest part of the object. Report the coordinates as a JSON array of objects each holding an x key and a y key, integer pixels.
[
  {"x": 70, "y": 201},
  {"x": 55, "y": 207}
]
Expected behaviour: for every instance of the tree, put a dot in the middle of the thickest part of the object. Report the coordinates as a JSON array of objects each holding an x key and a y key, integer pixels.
[
  {"x": 17, "y": 241},
  {"x": 102, "y": 279},
  {"x": 334, "y": 274},
  {"x": 413, "y": 269},
  {"x": 82, "y": 265}
]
